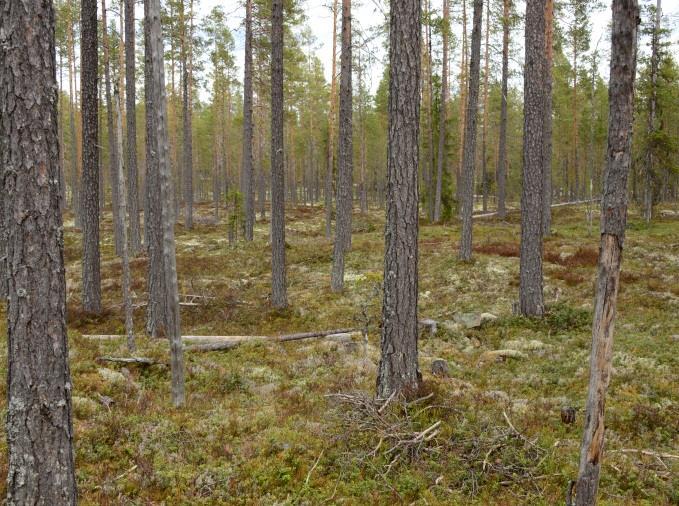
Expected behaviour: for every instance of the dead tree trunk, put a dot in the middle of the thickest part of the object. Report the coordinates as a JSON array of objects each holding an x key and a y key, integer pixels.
[
  {"x": 398, "y": 371},
  {"x": 40, "y": 466},
  {"x": 469, "y": 160},
  {"x": 171, "y": 297},
  {"x": 613, "y": 220},
  {"x": 345, "y": 191}
]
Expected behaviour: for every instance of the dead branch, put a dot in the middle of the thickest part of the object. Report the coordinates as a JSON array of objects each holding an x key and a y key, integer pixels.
[{"x": 131, "y": 360}]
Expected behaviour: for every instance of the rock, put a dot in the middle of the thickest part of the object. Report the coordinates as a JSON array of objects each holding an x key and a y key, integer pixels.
[
  {"x": 488, "y": 317},
  {"x": 468, "y": 320},
  {"x": 429, "y": 324},
  {"x": 439, "y": 367},
  {"x": 499, "y": 355},
  {"x": 675, "y": 338}
]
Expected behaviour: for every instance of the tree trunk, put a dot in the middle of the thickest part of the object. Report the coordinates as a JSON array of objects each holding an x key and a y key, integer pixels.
[
  {"x": 361, "y": 116},
  {"x": 501, "y": 169},
  {"x": 187, "y": 109},
  {"x": 131, "y": 99},
  {"x": 41, "y": 467},
  {"x": 469, "y": 160},
  {"x": 484, "y": 144},
  {"x": 649, "y": 169},
  {"x": 75, "y": 184},
  {"x": 398, "y": 371},
  {"x": 112, "y": 144},
  {"x": 89, "y": 56},
  {"x": 330, "y": 167},
  {"x": 462, "y": 106},
  {"x": 443, "y": 109},
  {"x": 171, "y": 300},
  {"x": 155, "y": 310},
  {"x": 248, "y": 169},
  {"x": 431, "y": 189},
  {"x": 279, "y": 297},
  {"x": 613, "y": 220},
  {"x": 125, "y": 256},
  {"x": 530, "y": 269},
  {"x": 547, "y": 163},
  {"x": 345, "y": 157}
]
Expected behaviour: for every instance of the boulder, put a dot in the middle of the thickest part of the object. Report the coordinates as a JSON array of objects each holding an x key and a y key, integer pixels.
[
  {"x": 439, "y": 367},
  {"x": 473, "y": 320}
]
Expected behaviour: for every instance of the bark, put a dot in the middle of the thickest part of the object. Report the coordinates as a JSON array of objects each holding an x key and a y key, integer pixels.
[
  {"x": 171, "y": 299},
  {"x": 398, "y": 371},
  {"x": 501, "y": 169},
  {"x": 649, "y": 169},
  {"x": 187, "y": 111},
  {"x": 248, "y": 168},
  {"x": 613, "y": 221},
  {"x": 155, "y": 311},
  {"x": 40, "y": 467},
  {"x": 279, "y": 297},
  {"x": 125, "y": 255},
  {"x": 230, "y": 342},
  {"x": 443, "y": 108},
  {"x": 345, "y": 157},
  {"x": 530, "y": 267},
  {"x": 469, "y": 160},
  {"x": 112, "y": 143},
  {"x": 361, "y": 116},
  {"x": 131, "y": 99},
  {"x": 430, "y": 123},
  {"x": 89, "y": 56},
  {"x": 462, "y": 106},
  {"x": 547, "y": 163},
  {"x": 330, "y": 166},
  {"x": 75, "y": 183},
  {"x": 484, "y": 135}
]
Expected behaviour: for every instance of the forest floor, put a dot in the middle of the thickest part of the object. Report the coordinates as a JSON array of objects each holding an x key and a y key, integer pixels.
[{"x": 263, "y": 424}]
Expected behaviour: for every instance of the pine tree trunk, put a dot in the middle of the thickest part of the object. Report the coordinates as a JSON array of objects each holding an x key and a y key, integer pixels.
[
  {"x": 431, "y": 189},
  {"x": 345, "y": 157},
  {"x": 398, "y": 370},
  {"x": 112, "y": 144},
  {"x": 279, "y": 297},
  {"x": 155, "y": 310},
  {"x": 443, "y": 112},
  {"x": 530, "y": 268},
  {"x": 187, "y": 109},
  {"x": 248, "y": 169},
  {"x": 484, "y": 143},
  {"x": 171, "y": 299},
  {"x": 41, "y": 467},
  {"x": 131, "y": 99},
  {"x": 125, "y": 255},
  {"x": 330, "y": 166},
  {"x": 89, "y": 56},
  {"x": 464, "y": 85},
  {"x": 469, "y": 160},
  {"x": 547, "y": 163},
  {"x": 649, "y": 169},
  {"x": 501, "y": 169},
  {"x": 613, "y": 220},
  {"x": 75, "y": 183}
]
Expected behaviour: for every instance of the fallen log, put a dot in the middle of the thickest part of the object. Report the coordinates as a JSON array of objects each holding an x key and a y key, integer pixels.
[
  {"x": 222, "y": 346},
  {"x": 131, "y": 360},
  {"x": 562, "y": 204}
]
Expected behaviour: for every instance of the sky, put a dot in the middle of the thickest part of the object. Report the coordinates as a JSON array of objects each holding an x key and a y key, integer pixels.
[{"x": 369, "y": 14}]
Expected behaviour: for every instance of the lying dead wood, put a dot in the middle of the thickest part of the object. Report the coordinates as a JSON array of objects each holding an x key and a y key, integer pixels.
[
  {"x": 562, "y": 204},
  {"x": 227, "y": 345},
  {"x": 131, "y": 360}
]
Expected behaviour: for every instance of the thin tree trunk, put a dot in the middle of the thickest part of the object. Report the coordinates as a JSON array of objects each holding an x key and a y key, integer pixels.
[
  {"x": 279, "y": 297},
  {"x": 398, "y": 371},
  {"x": 547, "y": 163},
  {"x": 40, "y": 464},
  {"x": 530, "y": 269},
  {"x": 462, "y": 106},
  {"x": 431, "y": 189},
  {"x": 443, "y": 110},
  {"x": 131, "y": 99},
  {"x": 248, "y": 168},
  {"x": 501, "y": 169},
  {"x": 613, "y": 220},
  {"x": 125, "y": 256},
  {"x": 187, "y": 109},
  {"x": 484, "y": 135},
  {"x": 649, "y": 169},
  {"x": 91, "y": 276},
  {"x": 345, "y": 157},
  {"x": 171, "y": 299},
  {"x": 469, "y": 160},
  {"x": 331, "y": 127},
  {"x": 361, "y": 116},
  {"x": 75, "y": 184}
]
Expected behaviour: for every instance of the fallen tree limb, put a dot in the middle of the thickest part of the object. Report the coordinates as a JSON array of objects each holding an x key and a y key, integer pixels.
[
  {"x": 222, "y": 346},
  {"x": 131, "y": 360},
  {"x": 562, "y": 204}
]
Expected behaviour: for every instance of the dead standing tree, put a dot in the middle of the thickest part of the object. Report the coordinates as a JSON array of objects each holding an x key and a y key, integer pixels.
[{"x": 613, "y": 221}]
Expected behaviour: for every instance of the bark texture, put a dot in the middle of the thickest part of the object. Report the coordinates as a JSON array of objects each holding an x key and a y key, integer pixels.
[
  {"x": 547, "y": 163},
  {"x": 330, "y": 166},
  {"x": 41, "y": 467},
  {"x": 469, "y": 160},
  {"x": 279, "y": 297},
  {"x": 398, "y": 370},
  {"x": 501, "y": 170},
  {"x": 613, "y": 221},
  {"x": 345, "y": 157},
  {"x": 443, "y": 109},
  {"x": 89, "y": 207},
  {"x": 131, "y": 119},
  {"x": 248, "y": 168},
  {"x": 530, "y": 266}
]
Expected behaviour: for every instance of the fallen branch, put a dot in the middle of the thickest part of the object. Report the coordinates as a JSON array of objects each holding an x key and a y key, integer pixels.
[
  {"x": 131, "y": 360},
  {"x": 562, "y": 204},
  {"x": 222, "y": 346},
  {"x": 648, "y": 453}
]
